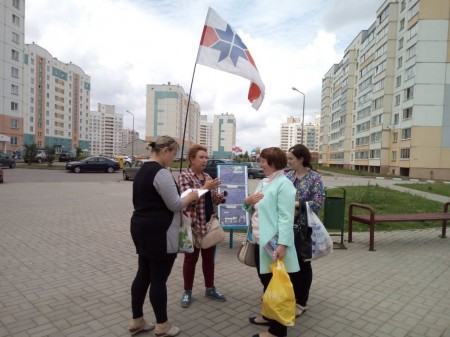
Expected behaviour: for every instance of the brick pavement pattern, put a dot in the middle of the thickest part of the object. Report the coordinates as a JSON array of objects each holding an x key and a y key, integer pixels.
[{"x": 67, "y": 262}]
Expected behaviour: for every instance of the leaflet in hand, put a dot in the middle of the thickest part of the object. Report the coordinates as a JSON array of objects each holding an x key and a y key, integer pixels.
[
  {"x": 200, "y": 191},
  {"x": 271, "y": 246}
]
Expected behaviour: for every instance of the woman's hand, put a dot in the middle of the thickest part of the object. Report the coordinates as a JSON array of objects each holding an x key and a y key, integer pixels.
[
  {"x": 212, "y": 184},
  {"x": 191, "y": 197},
  {"x": 253, "y": 199},
  {"x": 280, "y": 252}
]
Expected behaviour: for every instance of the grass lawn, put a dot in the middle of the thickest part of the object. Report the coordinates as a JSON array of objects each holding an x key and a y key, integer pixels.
[
  {"x": 386, "y": 201},
  {"x": 436, "y": 188}
]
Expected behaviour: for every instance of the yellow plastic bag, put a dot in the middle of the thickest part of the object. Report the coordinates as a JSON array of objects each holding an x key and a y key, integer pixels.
[{"x": 279, "y": 298}]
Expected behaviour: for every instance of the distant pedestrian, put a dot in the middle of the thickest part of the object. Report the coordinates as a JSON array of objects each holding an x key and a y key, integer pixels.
[
  {"x": 19, "y": 154},
  {"x": 14, "y": 154}
]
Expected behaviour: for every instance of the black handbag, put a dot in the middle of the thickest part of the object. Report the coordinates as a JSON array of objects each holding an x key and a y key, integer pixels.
[{"x": 302, "y": 238}]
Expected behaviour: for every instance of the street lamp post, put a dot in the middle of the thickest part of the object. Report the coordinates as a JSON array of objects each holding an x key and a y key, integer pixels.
[
  {"x": 303, "y": 113},
  {"x": 132, "y": 138}
]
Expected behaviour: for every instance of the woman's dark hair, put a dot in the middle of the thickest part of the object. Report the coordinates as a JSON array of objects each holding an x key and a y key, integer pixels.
[
  {"x": 275, "y": 157},
  {"x": 162, "y": 142},
  {"x": 301, "y": 151},
  {"x": 194, "y": 149}
]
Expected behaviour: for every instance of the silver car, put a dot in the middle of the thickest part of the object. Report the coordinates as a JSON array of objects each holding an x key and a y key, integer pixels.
[{"x": 131, "y": 171}]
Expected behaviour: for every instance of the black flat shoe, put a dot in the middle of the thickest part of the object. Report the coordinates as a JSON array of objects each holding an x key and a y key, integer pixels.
[{"x": 253, "y": 321}]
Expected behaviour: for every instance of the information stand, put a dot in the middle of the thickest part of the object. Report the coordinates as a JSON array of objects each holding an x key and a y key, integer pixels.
[{"x": 234, "y": 182}]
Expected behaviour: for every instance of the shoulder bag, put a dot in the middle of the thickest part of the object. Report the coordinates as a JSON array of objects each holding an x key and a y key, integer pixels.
[
  {"x": 246, "y": 253},
  {"x": 302, "y": 238},
  {"x": 214, "y": 234}
]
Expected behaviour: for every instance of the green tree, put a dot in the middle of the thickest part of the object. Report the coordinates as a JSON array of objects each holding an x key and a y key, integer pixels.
[
  {"x": 78, "y": 152},
  {"x": 30, "y": 152},
  {"x": 50, "y": 151}
]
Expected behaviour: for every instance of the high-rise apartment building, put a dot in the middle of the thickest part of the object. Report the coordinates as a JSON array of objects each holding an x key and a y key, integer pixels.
[
  {"x": 291, "y": 134},
  {"x": 128, "y": 136},
  {"x": 385, "y": 105},
  {"x": 105, "y": 128},
  {"x": 206, "y": 133},
  {"x": 12, "y": 14},
  {"x": 223, "y": 136},
  {"x": 56, "y": 99},
  {"x": 166, "y": 109}
]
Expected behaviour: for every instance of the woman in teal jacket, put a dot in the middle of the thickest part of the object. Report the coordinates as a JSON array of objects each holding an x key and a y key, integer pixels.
[{"x": 271, "y": 209}]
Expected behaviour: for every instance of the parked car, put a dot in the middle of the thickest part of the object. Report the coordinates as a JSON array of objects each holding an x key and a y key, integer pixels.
[
  {"x": 40, "y": 157},
  {"x": 254, "y": 170},
  {"x": 211, "y": 166},
  {"x": 6, "y": 160},
  {"x": 130, "y": 172},
  {"x": 127, "y": 161},
  {"x": 67, "y": 156},
  {"x": 93, "y": 164}
]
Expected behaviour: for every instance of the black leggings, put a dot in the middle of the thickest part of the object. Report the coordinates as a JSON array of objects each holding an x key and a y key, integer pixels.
[
  {"x": 275, "y": 328},
  {"x": 302, "y": 282},
  {"x": 153, "y": 273}
]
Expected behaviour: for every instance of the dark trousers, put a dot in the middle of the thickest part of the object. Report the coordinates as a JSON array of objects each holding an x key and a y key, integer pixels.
[
  {"x": 275, "y": 328},
  {"x": 190, "y": 260},
  {"x": 154, "y": 274},
  {"x": 301, "y": 282}
]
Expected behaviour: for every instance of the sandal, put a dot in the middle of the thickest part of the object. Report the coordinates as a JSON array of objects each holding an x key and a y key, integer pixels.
[
  {"x": 299, "y": 310},
  {"x": 253, "y": 321},
  {"x": 146, "y": 327},
  {"x": 173, "y": 331}
]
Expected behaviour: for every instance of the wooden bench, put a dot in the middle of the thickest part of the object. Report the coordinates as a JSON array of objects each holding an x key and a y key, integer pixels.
[{"x": 372, "y": 218}]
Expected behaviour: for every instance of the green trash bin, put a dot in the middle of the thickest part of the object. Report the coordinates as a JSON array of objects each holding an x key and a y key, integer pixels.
[{"x": 334, "y": 213}]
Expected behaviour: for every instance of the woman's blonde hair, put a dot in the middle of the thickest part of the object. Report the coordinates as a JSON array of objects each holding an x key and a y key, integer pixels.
[{"x": 163, "y": 142}]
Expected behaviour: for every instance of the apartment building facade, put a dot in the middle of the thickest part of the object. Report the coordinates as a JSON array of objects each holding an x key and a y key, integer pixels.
[
  {"x": 206, "y": 130},
  {"x": 166, "y": 108},
  {"x": 291, "y": 134},
  {"x": 56, "y": 99},
  {"x": 128, "y": 137},
  {"x": 385, "y": 105},
  {"x": 105, "y": 130},
  {"x": 223, "y": 135},
  {"x": 12, "y": 14}
]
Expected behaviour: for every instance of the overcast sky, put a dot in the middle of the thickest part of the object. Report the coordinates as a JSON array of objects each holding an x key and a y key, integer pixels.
[{"x": 126, "y": 44}]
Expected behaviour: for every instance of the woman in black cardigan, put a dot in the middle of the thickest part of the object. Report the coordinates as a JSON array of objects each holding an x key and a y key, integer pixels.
[{"x": 155, "y": 225}]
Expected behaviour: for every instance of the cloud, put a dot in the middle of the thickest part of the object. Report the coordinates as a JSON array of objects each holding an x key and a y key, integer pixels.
[{"x": 126, "y": 44}]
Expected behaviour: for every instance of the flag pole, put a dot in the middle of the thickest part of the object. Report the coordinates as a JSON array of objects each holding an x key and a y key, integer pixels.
[{"x": 186, "y": 117}]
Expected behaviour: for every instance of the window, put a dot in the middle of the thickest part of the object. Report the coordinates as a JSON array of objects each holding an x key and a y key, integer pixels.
[
  {"x": 410, "y": 52},
  {"x": 402, "y": 24},
  {"x": 399, "y": 62},
  {"x": 379, "y": 68},
  {"x": 395, "y": 137},
  {"x": 14, "y": 141},
  {"x": 378, "y": 86},
  {"x": 376, "y": 120},
  {"x": 394, "y": 155},
  {"x": 15, "y": 38},
  {"x": 407, "y": 113},
  {"x": 14, "y": 72},
  {"x": 396, "y": 118},
  {"x": 14, "y": 89},
  {"x": 410, "y": 72},
  {"x": 378, "y": 103},
  {"x": 406, "y": 133},
  {"x": 397, "y": 99},
  {"x": 411, "y": 32},
  {"x": 403, "y": 5},
  {"x": 398, "y": 81},
  {"x": 408, "y": 93},
  {"x": 375, "y": 137},
  {"x": 15, "y": 55},
  {"x": 375, "y": 154},
  {"x": 14, "y": 106},
  {"x": 14, "y": 124},
  {"x": 380, "y": 51},
  {"x": 404, "y": 154},
  {"x": 16, "y": 4},
  {"x": 400, "y": 43},
  {"x": 365, "y": 84},
  {"x": 413, "y": 10},
  {"x": 364, "y": 112},
  {"x": 16, "y": 20}
]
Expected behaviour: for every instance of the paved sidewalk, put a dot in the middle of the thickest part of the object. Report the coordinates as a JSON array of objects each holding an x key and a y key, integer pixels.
[{"x": 67, "y": 262}]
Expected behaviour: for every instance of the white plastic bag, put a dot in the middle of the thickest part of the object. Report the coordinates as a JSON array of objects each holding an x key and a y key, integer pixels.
[
  {"x": 185, "y": 240},
  {"x": 322, "y": 244}
]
